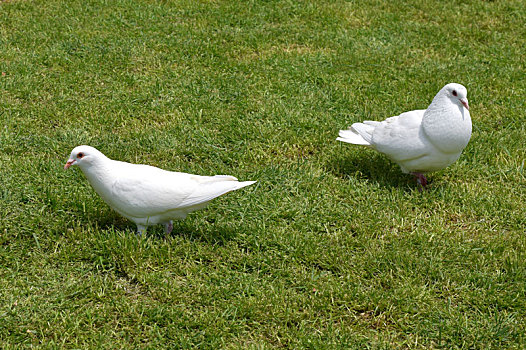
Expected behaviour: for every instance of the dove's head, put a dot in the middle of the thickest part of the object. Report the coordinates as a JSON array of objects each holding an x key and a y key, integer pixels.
[
  {"x": 457, "y": 93},
  {"x": 83, "y": 156}
]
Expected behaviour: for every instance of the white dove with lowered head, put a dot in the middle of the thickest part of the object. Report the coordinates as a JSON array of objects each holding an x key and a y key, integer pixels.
[
  {"x": 148, "y": 195},
  {"x": 423, "y": 140}
]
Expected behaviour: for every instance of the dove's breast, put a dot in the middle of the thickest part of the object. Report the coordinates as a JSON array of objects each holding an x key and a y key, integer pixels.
[{"x": 448, "y": 130}]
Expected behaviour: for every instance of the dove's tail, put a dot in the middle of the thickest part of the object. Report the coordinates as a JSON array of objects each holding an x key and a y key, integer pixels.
[
  {"x": 244, "y": 184},
  {"x": 234, "y": 183},
  {"x": 359, "y": 133}
]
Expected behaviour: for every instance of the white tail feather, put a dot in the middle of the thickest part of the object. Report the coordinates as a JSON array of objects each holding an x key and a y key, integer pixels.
[
  {"x": 351, "y": 136},
  {"x": 244, "y": 184},
  {"x": 224, "y": 178},
  {"x": 359, "y": 133}
]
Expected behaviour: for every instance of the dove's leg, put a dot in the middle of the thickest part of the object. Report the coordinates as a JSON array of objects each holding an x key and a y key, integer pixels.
[
  {"x": 141, "y": 229},
  {"x": 421, "y": 179},
  {"x": 169, "y": 226}
]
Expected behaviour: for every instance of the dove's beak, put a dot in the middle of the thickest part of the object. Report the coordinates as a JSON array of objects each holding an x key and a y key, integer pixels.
[
  {"x": 69, "y": 163},
  {"x": 465, "y": 103}
]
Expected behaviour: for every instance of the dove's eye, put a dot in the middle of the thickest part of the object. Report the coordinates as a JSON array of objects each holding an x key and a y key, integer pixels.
[
  {"x": 80, "y": 155},
  {"x": 455, "y": 93}
]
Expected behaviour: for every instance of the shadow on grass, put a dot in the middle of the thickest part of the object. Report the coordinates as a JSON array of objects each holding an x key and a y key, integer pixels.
[
  {"x": 216, "y": 234},
  {"x": 114, "y": 221},
  {"x": 213, "y": 232},
  {"x": 373, "y": 166}
]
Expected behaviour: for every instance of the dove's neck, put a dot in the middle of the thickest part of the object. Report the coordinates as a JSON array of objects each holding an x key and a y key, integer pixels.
[
  {"x": 99, "y": 175},
  {"x": 447, "y": 124}
]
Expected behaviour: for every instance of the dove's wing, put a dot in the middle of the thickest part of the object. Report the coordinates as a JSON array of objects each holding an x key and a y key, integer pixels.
[
  {"x": 144, "y": 191},
  {"x": 401, "y": 137}
]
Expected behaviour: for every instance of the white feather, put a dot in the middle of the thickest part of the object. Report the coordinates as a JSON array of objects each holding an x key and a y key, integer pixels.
[
  {"x": 148, "y": 195},
  {"x": 420, "y": 141}
]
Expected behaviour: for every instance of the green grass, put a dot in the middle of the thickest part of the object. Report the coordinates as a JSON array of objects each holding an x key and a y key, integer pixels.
[{"x": 333, "y": 247}]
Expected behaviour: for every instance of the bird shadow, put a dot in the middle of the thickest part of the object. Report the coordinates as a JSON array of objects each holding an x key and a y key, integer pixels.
[
  {"x": 372, "y": 166},
  {"x": 211, "y": 231},
  {"x": 215, "y": 233},
  {"x": 111, "y": 221}
]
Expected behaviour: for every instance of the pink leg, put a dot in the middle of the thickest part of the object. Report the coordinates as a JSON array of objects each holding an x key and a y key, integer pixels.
[
  {"x": 169, "y": 226},
  {"x": 421, "y": 179}
]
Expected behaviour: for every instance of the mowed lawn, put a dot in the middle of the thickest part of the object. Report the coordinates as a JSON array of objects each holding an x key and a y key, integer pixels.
[{"x": 333, "y": 248}]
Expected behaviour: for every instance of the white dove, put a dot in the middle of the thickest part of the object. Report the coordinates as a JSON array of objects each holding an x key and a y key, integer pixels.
[
  {"x": 148, "y": 195},
  {"x": 420, "y": 141}
]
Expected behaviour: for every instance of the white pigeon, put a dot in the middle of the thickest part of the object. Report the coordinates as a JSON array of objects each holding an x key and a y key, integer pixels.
[
  {"x": 420, "y": 141},
  {"x": 148, "y": 195}
]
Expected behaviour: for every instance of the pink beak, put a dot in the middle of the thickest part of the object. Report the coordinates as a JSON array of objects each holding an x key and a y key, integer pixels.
[
  {"x": 465, "y": 103},
  {"x": 69, "y": 163}
]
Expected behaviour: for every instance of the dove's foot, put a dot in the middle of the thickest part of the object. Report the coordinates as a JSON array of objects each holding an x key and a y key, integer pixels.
[
  {"x": 422, "y": 181},
  {"x": 140, "y": 230},
  {"x": 169, "y": 226}
]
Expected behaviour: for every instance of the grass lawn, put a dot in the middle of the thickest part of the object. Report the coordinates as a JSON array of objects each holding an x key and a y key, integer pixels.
[{"x": 333, "y": 247}]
